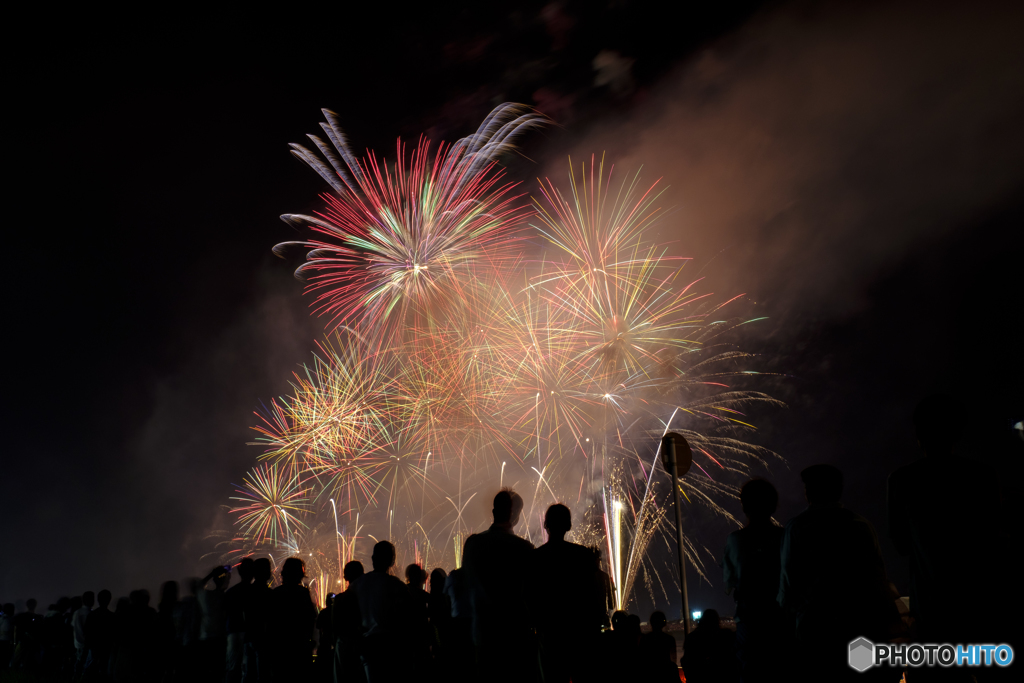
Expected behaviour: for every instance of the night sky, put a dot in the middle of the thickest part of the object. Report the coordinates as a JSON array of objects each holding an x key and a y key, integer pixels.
[{"x": 857, "y": 169}]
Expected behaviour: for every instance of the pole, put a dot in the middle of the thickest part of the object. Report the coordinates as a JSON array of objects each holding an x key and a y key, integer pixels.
[
  {"x": 681, "y": 548},
  {"x": 670, "y": 457}
]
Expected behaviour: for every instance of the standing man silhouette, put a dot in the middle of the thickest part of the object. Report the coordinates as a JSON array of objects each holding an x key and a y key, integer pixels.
[
  {"x": 567, "y": 601},
  {"x": 496, "y": 563},
  {"x": 751, "y": 566},
  {"x": 384, "y": 604},
  {"x": 940, "y": 507},
  {"x": 832, "y": 580}
]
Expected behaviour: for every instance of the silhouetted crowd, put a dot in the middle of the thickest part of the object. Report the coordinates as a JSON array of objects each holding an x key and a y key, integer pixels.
[{"x": 513, "y": 612}]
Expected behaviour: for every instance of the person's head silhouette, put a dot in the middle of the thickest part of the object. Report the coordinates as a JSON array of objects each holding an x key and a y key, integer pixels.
[
  {"x": 557, "y": 522},
  {"x": 353, "y": 571},
  {"x": 293, "y": 571},
  {"x": 104, "y": 598},
  {"x": 508, "y": 505},
  {"x": 245, "y": 570},
  {"x": 383, "y": 557},
  {"x": 823, "y": 484},
  {"x": 88, "y": 599},
  {"x": 415, "y": 576},
  {"x": 709, "y": 620},
  {"x": 437, "y": 579},
  {"x": 30, "y": 605},
  {"x": 619, "y": 620},
  {"x": 262, "y": 571},
  {"x": 168, "y": 595},
  {"x": 658, "y": 621},
  {"x": 139, "y": 598},
  {"x": 759, "y": 500},
  {"x": 937, "y": 425}
]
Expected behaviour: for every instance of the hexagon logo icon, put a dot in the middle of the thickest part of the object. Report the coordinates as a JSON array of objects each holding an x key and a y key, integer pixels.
[{"x": 862, "y": 654}]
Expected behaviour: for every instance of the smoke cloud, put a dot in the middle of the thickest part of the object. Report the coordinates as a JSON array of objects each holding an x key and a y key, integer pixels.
[{"x": 817, "y": 144}]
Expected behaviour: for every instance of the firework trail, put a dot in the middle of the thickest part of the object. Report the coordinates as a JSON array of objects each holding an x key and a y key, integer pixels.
[{"x": 482, "y": 342}]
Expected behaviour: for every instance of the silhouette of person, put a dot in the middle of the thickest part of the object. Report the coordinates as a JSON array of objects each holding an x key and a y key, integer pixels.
[
  {"x": 658, "y": 652},
  {"x": 348, "y": 629},
  {"x": 166, "y": 637},
  {"x": 26, "y": 637},
  {"x": 439, "y": 612},
  {"x": 325, "y": 641},
  {"x": 459, "y": 648},
  {"x": 292, "y": 621},
  {"x": 709, "y": 652},
  {"x": 620, "y": 653},
  {"x": 99, "y": 635},
  {"x": 54, "y": 644},
  {"x": 832, "y": 579},
  {"x": 213, "y": 623},
  {"x": 934, "y": 505},
  {"x": 751, "y": 567},
  {"x": 458, "y": 594},
  {"x": 256, "y": 613},
  {"x": 234, "y": 609},
  {"x": 6, "y": 635},
  {"x": 607, "y": 592},
  {"x": 567, "y": 601},
  {"x": 385, "y": 608},
  {"x": 496, "y": 563},
  {"x": 439, "y": 605},
  {"x": 187, "y": 618},
  {"x": 122, "y": 628},
  {"x": 134, "y": 659},
  {"x": 78, "y": 618},
  {"x": 415, "y": 579}
]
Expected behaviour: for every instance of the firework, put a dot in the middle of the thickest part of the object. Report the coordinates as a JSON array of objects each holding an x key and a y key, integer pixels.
[
  {"x": 399, "y": 240},
  {"x": 467, "y": 358},
  {"x": 270, "y": 504}
]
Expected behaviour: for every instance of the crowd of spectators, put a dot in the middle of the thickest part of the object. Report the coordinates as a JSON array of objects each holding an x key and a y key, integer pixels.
[{"x": 513, "y": 612}]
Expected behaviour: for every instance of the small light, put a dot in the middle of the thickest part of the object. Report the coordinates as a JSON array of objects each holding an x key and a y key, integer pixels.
[
  {"x": 695, "y": 614},
  {"x": 588, "y": 439}
]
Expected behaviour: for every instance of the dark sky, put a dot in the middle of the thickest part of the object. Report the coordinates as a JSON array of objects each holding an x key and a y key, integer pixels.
[{"x": 857, "y": 168}]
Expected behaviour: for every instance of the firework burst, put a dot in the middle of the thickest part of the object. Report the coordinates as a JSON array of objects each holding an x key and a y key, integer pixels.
[
  {"x": 467, "y": 358},
  {"x": 271, "y": 504},
  {"x": 399, "y": 240}
]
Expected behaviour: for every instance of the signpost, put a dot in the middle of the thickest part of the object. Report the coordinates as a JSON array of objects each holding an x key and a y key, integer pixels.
[{"x": 677, "y": 457}]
